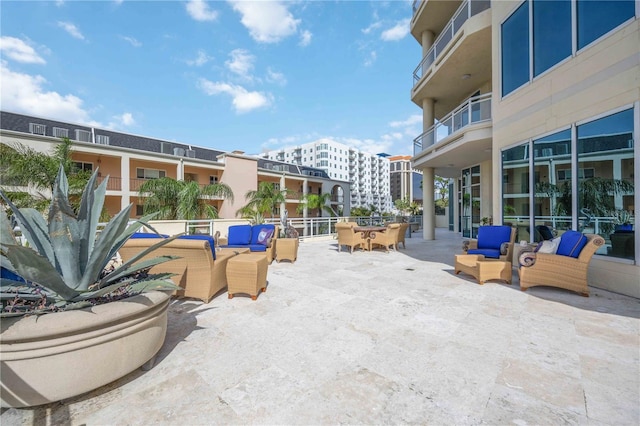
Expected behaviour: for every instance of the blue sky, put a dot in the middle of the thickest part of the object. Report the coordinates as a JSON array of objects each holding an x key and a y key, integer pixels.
[{"x": 229, "y": 75}]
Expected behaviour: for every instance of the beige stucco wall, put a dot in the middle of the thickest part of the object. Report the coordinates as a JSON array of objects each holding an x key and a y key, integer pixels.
[
  {"x": 599, "y": 79},
  {"x": 240, "y": 174}
]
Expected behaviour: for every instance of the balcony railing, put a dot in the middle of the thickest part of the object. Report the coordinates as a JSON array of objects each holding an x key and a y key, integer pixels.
[
  {"x": 114, "y": 183},
  {"x": 466, "y": 10},
  {"x": 416, "y": 5},
  {"x": 475, "y": 110}
]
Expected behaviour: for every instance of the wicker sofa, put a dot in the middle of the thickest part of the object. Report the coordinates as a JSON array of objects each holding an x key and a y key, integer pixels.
[
  {"x": 247, "y": 236},
  {"x": 200, "y": 271},
  {"x": 558, "y": 270}
]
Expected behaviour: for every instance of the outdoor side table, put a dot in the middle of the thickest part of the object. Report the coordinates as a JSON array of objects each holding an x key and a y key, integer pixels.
[
  {"x": 483, "y": 269},
  {"x": 286, "y": 249},
  {"x": 247, "y": 273}
]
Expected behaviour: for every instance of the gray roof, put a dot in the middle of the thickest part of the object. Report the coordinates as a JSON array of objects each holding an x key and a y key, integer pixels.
[{"x": 21, "y": 123}]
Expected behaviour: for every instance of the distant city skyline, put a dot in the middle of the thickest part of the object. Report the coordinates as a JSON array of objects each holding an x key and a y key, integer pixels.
[{"x": 250, "y": 76}]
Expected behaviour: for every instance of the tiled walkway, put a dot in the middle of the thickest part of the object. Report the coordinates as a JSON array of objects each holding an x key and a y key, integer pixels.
[{"x": 376, "y": 338}]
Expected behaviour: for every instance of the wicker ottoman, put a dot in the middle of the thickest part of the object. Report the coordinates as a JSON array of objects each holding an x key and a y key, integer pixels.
[
  {"x": 483, "y": 269},
  {"x": 247, "y": 273}
]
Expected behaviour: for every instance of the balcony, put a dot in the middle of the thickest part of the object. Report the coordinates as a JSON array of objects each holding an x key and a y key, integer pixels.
[
  {"x": 114, "y": 183},
  {"x": 459, "y": 61},
  {"x": 462, "y": 137}
]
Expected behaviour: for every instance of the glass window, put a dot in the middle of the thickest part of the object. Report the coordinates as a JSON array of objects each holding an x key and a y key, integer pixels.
[
  {"x": 515, "y": 49},
  {"x": 596, "y": 18},
  {"x": 551, "y": 33},
  {"x": 605, "y": 182},
  {"x": 552, "y": 196},
  {"x": 515, "y": 189}
]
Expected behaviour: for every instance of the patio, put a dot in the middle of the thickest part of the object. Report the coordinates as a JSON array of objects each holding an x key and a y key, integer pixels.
[{"x": 372, "y": 338}]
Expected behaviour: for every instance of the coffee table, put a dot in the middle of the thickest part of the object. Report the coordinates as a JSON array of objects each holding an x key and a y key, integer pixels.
[{"x": 483, "y": 269}]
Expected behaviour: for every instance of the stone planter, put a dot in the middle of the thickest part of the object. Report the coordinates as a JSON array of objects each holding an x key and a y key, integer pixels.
[{"x": 56, "y": 356}]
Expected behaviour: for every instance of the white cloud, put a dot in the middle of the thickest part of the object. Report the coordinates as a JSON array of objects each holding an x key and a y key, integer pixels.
[
  {"x": 126, "y": 119},
  {"x": 71, "y": 29},
  {"x": 241, "y": 63},
  {"x": 24, "y": 93},
  {"x": 371, "y": 58},
  {"x": 267, "y": 22},
  {"x": 397, "y": 32},
  {"x": 305, "y": 38},
  {"x": 200, "y": 11},
  {"x": 134, "y": 42},
  {"x": 276, "y": 77},
  {"x": 118, "y": 2},
  {"x": 370, "y": 28},
  {"x": 200, "y": 60},
  {"x": 243, "y": 100},
  {"x": 19, "y": 51},
  {"x": 411, "y": 121},
  {"x": 59, "y": 3}
]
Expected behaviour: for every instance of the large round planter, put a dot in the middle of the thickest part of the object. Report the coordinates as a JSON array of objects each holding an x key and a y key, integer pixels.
[{"x": 55, "y": 356}]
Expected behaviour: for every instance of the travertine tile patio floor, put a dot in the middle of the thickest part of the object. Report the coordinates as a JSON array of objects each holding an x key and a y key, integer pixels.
[{"x": 376, "y": 338}]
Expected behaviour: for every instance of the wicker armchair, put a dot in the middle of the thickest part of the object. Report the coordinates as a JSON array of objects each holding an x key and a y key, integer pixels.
[
  {"x": 386, "y": 239},
  {"x": 494, "y": 242},
  {"x": 348, "y": 237},
  {"x": 402, "y": 233},
  {"x": 555, "y": 270}
]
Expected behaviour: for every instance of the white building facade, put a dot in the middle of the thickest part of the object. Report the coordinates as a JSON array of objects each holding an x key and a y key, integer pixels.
[{"x": 368, "y": 174}]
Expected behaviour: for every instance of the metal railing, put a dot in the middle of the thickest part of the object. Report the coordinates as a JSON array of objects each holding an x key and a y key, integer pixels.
[
  {"x": 466, "y": 10},
  {"x": 474, "y": 110}
]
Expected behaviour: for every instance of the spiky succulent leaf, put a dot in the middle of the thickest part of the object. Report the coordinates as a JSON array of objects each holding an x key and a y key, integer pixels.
[
  {"x": 89, "y": 215},
  {"x": 64, "y": 232},
  {"x": 6, "y": 231},
  {"x": 34, "y": 228},
  {"x": 34, "y": 267},
  {"x": 153, "y": 284},
  {"x": 100, "y": 255},
  {"x": 128, "y": 268},
  {"x": 131, "y": 229}
]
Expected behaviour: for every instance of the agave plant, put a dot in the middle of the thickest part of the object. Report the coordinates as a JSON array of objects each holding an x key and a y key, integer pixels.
[{"x": 64, "y": 266}]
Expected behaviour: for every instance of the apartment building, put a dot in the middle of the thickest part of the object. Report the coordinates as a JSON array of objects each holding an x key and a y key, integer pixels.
[
  {"x": 404, "y": 180},
  {"x": 367, "y": 174},
  {"x": 533, "y": 108},
  {"x": 129, "y": 160}
]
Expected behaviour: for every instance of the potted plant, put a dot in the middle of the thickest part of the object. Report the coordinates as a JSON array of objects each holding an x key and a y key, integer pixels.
[
  {"x": 73, "y": 318},
  {"x": 622, "y": 220}
]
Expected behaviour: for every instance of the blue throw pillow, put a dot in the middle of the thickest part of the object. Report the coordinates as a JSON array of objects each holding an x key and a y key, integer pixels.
[
  {"x": 212, "y": 243},
  {"x": 256, "y": 232},
  {"x": 571, "y": 244},
  {"x": 239, "y": 235}
]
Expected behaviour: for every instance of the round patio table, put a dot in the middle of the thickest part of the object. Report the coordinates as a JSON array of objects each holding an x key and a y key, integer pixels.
[{"x": 369, "y": 232}]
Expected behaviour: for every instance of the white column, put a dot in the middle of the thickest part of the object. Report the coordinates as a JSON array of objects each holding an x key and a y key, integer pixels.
[
  {"x": 428, "y": 211},
  {"x": 427, "y": 42},
  {"x": 125, "y": 182}
]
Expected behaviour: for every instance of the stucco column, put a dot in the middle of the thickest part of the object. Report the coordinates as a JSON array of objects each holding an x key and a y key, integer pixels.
[
  {"x": 125, "y": 181},
  {"x": 427, "y": 42},
  {"x": 428, "y": 114},
  {"x": 428, "y": 210}
]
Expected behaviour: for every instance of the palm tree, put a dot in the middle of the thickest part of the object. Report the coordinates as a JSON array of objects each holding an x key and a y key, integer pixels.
[
  {"x": 181, "y": 200},
  {"x": 319, "y": 202},
  {"x": 264, "y": 200},
  {"x": 23, "y": 166}
]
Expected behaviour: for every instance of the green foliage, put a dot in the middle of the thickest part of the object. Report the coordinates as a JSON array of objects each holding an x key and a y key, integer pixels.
[
  {"x": 441, "y": 186},
  {"x": 318, "y": 202},
  {"x": 360, "y": 211},
  {"x": 402, "y": 205},
  {"x": 265, "y": 200},
  {"x": 65, "y": 267},
  {"x": 175, "y": 199}
]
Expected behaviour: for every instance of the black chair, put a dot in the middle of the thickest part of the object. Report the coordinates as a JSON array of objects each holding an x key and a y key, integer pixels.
[{"x": 545, "y": 232}]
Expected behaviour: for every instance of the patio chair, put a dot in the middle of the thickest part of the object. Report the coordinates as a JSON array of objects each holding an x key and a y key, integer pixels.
[
  {"x": 386, "y": 239},
  {"x": 566, "y": 269},
  {"x": 493, "y": 242},
  {"x": 402, "y": 233},
  {"x": 348, "y": 237}
]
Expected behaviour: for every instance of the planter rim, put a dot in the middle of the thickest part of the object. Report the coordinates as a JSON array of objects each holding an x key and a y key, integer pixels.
[{"x": 24, "y": 329}]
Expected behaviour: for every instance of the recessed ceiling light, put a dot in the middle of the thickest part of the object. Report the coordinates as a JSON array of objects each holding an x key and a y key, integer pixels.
[{"x": 466, "y": 76}]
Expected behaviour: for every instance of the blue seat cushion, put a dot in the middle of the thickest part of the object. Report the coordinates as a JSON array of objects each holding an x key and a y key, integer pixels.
[
  {"x": 571, "y": 244},
  {"x": 212, "y": 243},
  {"x": 252, "y": 247},
  {"x": 10, "y": 275},
  {"x": 257, "y": 229},
  {"x": 491, "y": 253},
  {"x": 239, "y": 234},
  {"x": 492, "y": 237},
  {"x": 148, "y": 235}
]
